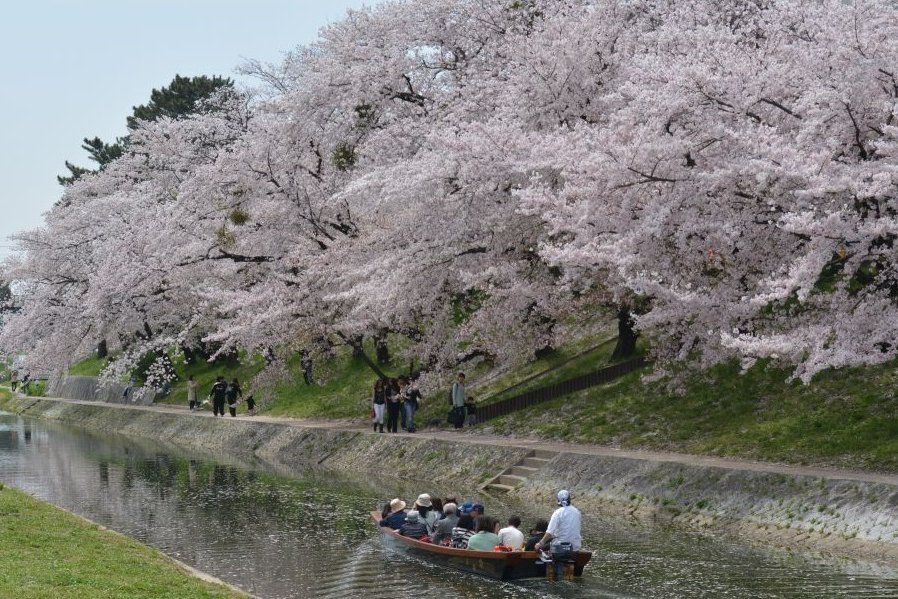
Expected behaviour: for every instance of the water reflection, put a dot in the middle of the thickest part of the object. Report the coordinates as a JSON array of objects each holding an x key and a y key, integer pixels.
[{"x": 306, "y": 533}]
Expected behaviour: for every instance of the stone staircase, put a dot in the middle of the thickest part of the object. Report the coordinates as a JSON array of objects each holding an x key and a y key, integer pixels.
[{"x": 516, "y": 475}]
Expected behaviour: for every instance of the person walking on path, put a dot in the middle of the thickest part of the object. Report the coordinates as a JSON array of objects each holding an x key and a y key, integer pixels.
[
  {"x": 379, "y": 405},
  {"x": 191, "y": 392},
  {"x": 233, "y": 395},
  {"x": 394, "y": 405},
  {"x": 250, "y": 405},
  {"x": 458, "y": 400},
  {"x": 14, "y": 380},
  {"x": 217, "y": 395}
]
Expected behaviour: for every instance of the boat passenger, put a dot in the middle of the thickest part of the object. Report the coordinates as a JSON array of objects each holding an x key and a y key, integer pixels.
[
  {"x": 428, "y": 515},
  {"x": 443, "y": 529},
  {"x": 536, "y": 534},
  {"x": 437, "y": 506},
  {"x": 477, "y": 510},
  {"x": 397, "y": 515},
  {"x": 463, "y": 531},
  {"x": 486, "y": 538},
  {"x": 564, "y": 525},
  {"x": 510, "y": 536},
  {"x": 414, "y": 527}
]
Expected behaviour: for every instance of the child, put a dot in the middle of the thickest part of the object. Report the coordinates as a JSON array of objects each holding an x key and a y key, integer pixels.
[{"x": 472, "y": 411}]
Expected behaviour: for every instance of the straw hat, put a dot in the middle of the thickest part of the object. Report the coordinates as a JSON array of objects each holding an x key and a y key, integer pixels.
[
  {"x": 424, "y": 500},
  {"x": 397, "y": 505}
]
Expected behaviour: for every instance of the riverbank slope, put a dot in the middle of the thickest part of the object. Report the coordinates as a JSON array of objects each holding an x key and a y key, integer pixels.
[
  {"x": 48, "y": 552},
  {"x": 843, "y": 512}
]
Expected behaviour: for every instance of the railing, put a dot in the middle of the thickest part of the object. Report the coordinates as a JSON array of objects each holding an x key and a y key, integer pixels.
[{"x": 543, "y": 394}]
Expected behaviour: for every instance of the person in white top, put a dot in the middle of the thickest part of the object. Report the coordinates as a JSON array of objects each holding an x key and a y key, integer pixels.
[
  {"x": 510, "y": 536},
  {"x": 564, "y": 526}
]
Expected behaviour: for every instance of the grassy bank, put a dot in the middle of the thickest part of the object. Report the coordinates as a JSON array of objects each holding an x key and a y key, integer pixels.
[
  {"x": 845, "y": 418},
  {"x": 46, "y": 552}
]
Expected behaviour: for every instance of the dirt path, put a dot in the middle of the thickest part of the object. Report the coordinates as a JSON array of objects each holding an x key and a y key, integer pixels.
[{"x": 536, "y": 444}]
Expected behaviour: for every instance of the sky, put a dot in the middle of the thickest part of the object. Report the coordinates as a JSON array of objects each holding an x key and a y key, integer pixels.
[{"x": 75, "y": 68}]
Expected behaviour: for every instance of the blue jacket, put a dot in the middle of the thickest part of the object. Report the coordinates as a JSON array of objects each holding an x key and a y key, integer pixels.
[{"x": 394, "y": 520}]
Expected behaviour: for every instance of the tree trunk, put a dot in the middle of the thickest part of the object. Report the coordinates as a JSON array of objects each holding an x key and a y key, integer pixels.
[
  {"x": 102, "y": 349},
  {"x": 626, "y": 334},
  {"x": 358, "y": 351}
]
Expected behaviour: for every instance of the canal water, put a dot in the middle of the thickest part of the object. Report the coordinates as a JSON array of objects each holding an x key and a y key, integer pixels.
[{"x": 306, "y": 532}]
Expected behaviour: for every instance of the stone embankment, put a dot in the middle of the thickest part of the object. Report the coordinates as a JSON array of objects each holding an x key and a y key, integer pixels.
[{"x": 845, "y": 513}]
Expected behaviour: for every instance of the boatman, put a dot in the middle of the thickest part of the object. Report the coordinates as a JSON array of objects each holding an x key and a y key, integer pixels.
[{"x": 562, "y": 536}]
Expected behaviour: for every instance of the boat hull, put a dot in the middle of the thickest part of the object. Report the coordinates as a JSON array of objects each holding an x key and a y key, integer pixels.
[{"x": 511, "y": 565}]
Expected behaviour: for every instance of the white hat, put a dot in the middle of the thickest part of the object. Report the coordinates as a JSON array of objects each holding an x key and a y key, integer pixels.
[
  {"x": 424, "y": 500},
  {"x": 397, "y": 505}
]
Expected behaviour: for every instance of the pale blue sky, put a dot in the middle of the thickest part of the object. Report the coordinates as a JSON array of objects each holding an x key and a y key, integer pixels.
[{"x": 74, "y": 68}]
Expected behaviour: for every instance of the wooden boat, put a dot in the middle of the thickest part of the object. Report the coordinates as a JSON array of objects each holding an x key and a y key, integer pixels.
[{"x": 510, "y": 565}]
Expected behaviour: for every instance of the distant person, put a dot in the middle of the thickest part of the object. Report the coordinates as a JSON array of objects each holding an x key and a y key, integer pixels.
[
  {"x": 191, "y": 393},
  {"x": 378, "y": 405},
  {"x": 128, "y": 388},
  {"x": 233, "y": 394},
  {"x": 394, "y": 404},
  {"x": 536, "y": 534},
  {"x": 485, "y": 539},
  {"x": 458, "y": 401},
  {"x": 412, "y": 402},
  {"x": 217, "y": 395},
  {"x": 26, "y": 383},
  {"x": 14, "y": 380},
  {"x": 414, "y": 527},
  {"x": 471, "y": 411},
  {"x": 396, "y": 517},
  {"x": 250, "y": 405},
  {"x": 442, "y": 531},
  {"x": 511, "y": 536}
]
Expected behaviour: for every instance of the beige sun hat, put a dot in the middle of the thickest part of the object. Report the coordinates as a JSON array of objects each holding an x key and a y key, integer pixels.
[
  {"x": 424, "y": 500},
  {"x": 397, "y": 505}
]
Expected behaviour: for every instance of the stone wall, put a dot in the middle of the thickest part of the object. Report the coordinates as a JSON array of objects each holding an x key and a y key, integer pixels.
[{"x": 88, "y": 388}]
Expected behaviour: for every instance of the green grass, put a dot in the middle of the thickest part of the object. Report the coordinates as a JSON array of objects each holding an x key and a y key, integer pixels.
[
  {"x": 46, "y": 552},
  {"x": 205, "y": 374},
  {"x": 89, "y": 366},
  {"x": 846, "y": 418}
]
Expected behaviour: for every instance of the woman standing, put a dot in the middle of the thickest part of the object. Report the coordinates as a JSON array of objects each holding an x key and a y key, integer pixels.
[
  {"x": 378, "y": 405},
  {"x": 191, "y": 393},
  {"x": 394, "y": 404}
]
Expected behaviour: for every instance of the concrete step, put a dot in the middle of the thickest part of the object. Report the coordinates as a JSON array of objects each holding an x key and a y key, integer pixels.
[
  {"x": 535, "y": 463},
  {"x": 498, "y": 487},
  {"x": 524, "y": 471},
  {"x": 510, "y": 479}
]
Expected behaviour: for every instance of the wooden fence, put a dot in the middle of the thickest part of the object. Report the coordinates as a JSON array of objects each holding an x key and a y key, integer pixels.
[{"x": 543, "y": 394}]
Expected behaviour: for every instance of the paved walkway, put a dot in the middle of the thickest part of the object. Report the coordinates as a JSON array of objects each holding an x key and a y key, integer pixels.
[{"x": 529, "y": 443}]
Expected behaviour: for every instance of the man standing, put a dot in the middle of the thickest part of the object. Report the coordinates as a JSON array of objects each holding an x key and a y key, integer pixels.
[
  {"x": 458, "y": 400},
  {"x": 217, "y": 394}
]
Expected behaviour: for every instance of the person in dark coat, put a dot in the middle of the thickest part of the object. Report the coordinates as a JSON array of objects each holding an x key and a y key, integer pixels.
[
  {"x": 217, "y": 395},
  {"x": 536, "y": 534},
  {"x": 233, "y": 394},
  {"x": 397, "y": 515}
]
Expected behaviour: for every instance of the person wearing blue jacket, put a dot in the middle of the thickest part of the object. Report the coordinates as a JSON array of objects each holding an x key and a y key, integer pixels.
[{"x": 397, "y": 515}]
